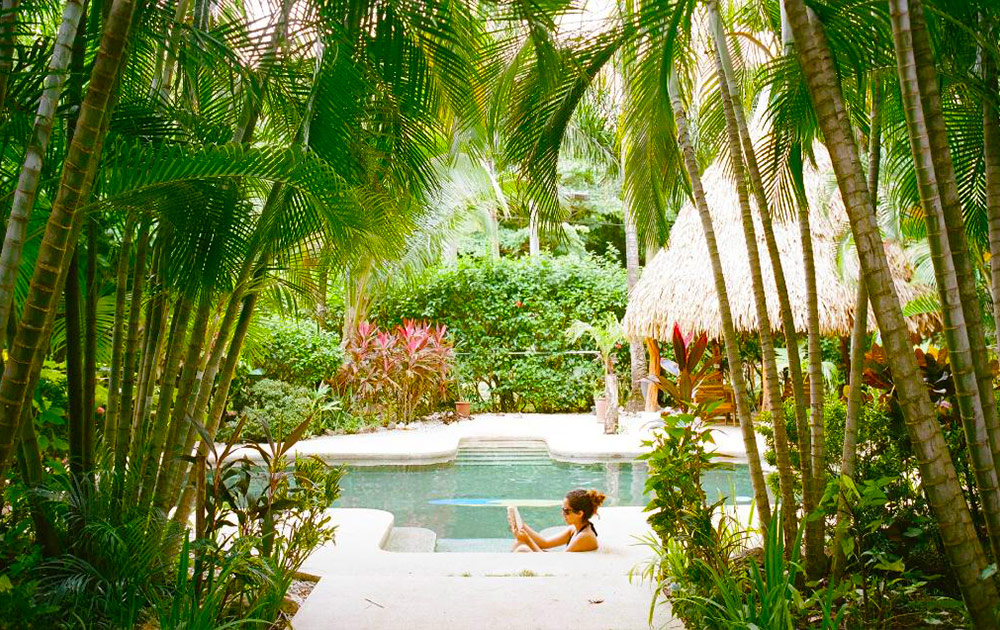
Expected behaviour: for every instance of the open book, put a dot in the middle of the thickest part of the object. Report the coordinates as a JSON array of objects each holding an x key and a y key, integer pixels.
[{"x": 514, "y": 519}]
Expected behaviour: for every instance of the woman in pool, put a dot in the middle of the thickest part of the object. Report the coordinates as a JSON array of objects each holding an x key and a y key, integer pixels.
[{"x": 578, "y": 508}]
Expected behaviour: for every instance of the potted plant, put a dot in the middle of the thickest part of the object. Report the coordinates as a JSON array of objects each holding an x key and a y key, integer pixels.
[
  {"x": 600, "y": 404},
  {"x": 463, "y": 407},
  {"x": 606, "y": 334}
]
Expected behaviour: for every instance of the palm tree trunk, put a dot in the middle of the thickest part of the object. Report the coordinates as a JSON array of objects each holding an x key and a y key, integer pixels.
[
  {"x": 74, "y": 369},
  {"x": 8, "y": 32},
  {"x": 117, "y": 334},
  {"x": 728, "y": 330},
  {"x": 534, "y": 243},
  {"x": 636, "y": 349},
  {"x": 815, "y": 528},
  {"x": 90, "y": 349},
  {"x": 991, "y": 166},
  {"x": 781, "y": 288},
  {"x": 772, "y": 391},
  {"x": 174, "y": 445},
  {"x": 156, "y": 319},
  {"x": 62, "y": 227},
  {"x": 228, "y": 371},
  {"x": 322, "y": 288},
  {"x": 27, "y": 183},
  {"x": 976, "y": 416},
  {"x": 954, "y": 220},
  {"x": 859, "y": 332},
  {"x": 940, "y": 482},
  {"x": 34, "y": 474},
  {"x": 150, "y": 464},
  {"x": 125, "y": 433}
]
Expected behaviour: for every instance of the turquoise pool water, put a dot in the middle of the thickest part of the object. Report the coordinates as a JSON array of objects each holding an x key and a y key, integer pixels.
[{"x": 468, "y": 498}]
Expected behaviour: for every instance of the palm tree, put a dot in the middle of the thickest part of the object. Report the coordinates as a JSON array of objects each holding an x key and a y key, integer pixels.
[
  {"x": 545, "y": 102},
  {"x": 859, "y": 332},
  {"x": 27, "y": 183},
  {"x": 991, "y": 168},
  {"x": 950, "y": 254},
  {"x": 940, "y": 481},
  {"x": 606, "y": 335},
  {"x": 62, "y": 228},
  {"x": 772, "y": 393}
]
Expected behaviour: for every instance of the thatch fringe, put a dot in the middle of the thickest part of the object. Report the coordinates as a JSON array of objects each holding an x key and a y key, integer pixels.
[{"x": 677, "y": 286}]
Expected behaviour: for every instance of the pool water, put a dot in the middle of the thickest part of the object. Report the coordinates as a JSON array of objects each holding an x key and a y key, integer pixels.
[{"x": 468, "y": 497}]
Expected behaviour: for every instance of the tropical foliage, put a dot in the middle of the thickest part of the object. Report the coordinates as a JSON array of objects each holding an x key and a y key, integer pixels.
[
  {"x": 174, "y": 169},
  {"x": 508, "y": 318}
]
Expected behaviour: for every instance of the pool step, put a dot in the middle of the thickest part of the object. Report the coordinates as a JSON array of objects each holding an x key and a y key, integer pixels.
[{"x": 494, "y": 456}]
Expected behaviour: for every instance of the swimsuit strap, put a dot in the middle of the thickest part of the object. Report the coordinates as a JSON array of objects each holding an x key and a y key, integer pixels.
[{"x": 588, "y": 524}]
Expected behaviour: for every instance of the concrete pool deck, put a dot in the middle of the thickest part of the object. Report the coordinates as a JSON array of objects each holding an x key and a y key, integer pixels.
[
  {"x": 363, "y": 586},
  {"x": 569, "y": 437}
]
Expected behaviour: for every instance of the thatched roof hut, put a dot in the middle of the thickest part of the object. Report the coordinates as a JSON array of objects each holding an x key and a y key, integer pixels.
[{"x": 678, "y": 287}]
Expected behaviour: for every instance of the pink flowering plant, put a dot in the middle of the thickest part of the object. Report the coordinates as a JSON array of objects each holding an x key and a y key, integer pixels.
[{"x": 397, "y": 374}]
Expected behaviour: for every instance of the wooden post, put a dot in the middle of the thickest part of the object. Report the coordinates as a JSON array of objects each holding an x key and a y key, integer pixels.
[{"x": 652, "y": 392}]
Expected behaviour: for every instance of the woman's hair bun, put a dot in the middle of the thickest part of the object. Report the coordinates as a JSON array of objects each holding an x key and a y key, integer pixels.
[{"x": 596, "y": 498}]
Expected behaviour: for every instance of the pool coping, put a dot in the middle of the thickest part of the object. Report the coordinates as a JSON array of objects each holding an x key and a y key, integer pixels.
[{"x": 570, "y": 438}]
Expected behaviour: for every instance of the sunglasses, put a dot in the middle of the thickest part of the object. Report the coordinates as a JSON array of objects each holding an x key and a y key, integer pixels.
[{"x": 567, "y": 510}]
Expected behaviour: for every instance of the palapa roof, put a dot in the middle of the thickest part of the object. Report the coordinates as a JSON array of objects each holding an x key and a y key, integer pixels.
[{"x": 677, "y": 286}]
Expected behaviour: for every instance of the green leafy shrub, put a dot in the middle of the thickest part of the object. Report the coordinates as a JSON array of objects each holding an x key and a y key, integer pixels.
[
  {"x": 508, "y": 318},
  {"x": 277, "y": 407},
  {"x": 692, "y": 549},
  {"x": 296, "y": 352}
]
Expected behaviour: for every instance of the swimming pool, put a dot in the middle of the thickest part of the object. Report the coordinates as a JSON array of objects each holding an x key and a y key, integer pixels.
[{"x": 468, "y": 497}]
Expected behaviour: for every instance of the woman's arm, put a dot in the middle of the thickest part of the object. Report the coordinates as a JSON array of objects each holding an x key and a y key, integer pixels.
[
  {"x": 523, "y": 537},
  {"x": 548, "y": 543}
]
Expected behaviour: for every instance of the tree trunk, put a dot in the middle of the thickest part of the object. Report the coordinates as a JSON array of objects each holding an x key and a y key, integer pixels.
[
  {"x": 117, "y": 334},
  {"x": 322, "y": 288},
  {"x": 206, "y": 383},
  {"x": 90, "y": 349},
  {"x": 763, "y": 503},
  {"x": 221, "y": 395},
  {"x": 27, "y": 183},
  {"x": 781, "y": 288},
  {"x": 34, "y": 474},
  {"x": 771, "y": 388},
  {"x": 652, "y": 389},
  {"x": 62, "y": 227},
  {"x": 637, "y": 353},
  {"x": 976, "y": 415},
  {"x": 150, "y": 464},
  {"x": 156, "y": 319},
  {"x": 815, "y": 528},
  {"x": 991, "y": 167},
  {"x": 940, "y": 482},
  {"x": 8, "y": 33},
  {"x": 859, "y": 334},
  {"x": 125, "y": 434},
  {"x": 534, "y": 243},
  {"x": 74, "y": 369},
  {"x": 174, "y": 445},
  {"x": 954, "y": 220}
]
